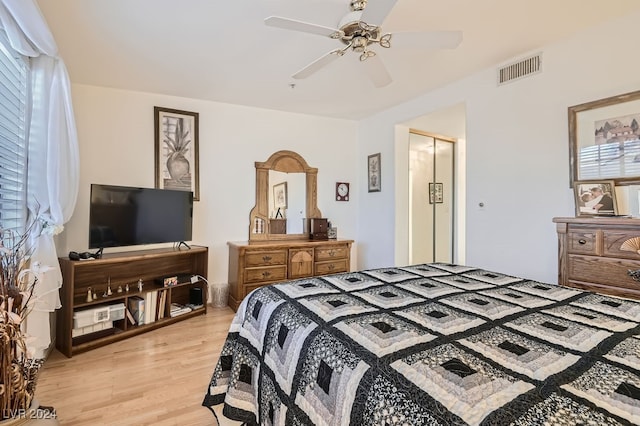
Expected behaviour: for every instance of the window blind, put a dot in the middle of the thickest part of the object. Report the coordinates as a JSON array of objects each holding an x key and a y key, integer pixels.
[{"x": 14, "y": 91}]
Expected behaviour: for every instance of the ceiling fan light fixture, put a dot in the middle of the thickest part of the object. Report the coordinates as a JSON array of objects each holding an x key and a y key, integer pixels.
[
  {"x": 358, "y": 31},
  {"x": 359, "y": 44},
  {"x": 367, "y": 54},
  {"x": 358, "y": 4},
  {"x": 385, "y": 41}
]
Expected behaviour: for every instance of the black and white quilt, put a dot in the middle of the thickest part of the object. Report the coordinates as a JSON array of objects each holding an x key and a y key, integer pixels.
[{"x": 433, "y": 344}]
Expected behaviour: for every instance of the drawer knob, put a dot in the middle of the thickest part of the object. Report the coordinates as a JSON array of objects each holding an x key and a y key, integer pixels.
[
  {"x": 635, "y": 275},
  {"x": 332, "y": 253},
  {"x": 266, "y": 258},
  {"x": 332, "y": 267},
  {"x": 265, "y": 274},
  {"x": 582, "y": 241}
]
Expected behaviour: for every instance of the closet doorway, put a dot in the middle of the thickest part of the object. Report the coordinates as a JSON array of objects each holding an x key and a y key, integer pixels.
[{"x": 431, "y": 197}]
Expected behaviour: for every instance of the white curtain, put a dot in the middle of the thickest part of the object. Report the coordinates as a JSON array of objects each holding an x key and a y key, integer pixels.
[{"x": 53, "y": 171}]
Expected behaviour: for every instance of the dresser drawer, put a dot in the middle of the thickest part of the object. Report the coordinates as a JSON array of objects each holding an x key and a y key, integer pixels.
[
  {"x": 603, "y": 270},
  {"x": 333, "y": 252},
  {"x": 582, "y": 241},
  {"x": 331, "y": 267},
  {"x": 271, "y": 273},
  {"x": 614, "y": 238},
  {"x": 265, "y": 258},
  {"x": 249, "y": 288},
  {"x": 300, "y": 263}
]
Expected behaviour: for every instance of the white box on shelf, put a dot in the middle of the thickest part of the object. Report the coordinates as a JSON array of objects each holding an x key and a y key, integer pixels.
[
  {"x": 81, "y": 331},
  {"x": 116, "y": 312},
  {"x": 91, "y": 316}
]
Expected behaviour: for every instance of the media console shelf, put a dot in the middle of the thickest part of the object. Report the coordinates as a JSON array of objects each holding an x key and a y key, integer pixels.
[{"x": 122, "y": 269}]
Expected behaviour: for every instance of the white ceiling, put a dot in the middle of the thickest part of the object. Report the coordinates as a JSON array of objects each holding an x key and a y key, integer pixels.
[{"x": 222, "y": 51}]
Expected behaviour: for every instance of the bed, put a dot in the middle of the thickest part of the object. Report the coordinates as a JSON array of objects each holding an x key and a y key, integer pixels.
[{"x": 432, "y": 344}]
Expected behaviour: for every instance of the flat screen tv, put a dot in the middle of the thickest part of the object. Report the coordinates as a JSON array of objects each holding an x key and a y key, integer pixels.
[{"x": 125, "y": 216}]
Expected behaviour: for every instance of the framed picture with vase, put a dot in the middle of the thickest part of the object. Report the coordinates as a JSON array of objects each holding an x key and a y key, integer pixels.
[{"x": 176, "y": 150}]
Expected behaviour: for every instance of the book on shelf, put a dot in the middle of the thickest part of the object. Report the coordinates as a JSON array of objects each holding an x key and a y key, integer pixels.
[
  {"x": 178, "y": 309},
  {"x": 161, "y": 303},
  {"x": 136, "y": 305},
  {"x": 154, "y": 304},
  {"x": 150, "y": 301},
  {"x": 129, "y": 316}
]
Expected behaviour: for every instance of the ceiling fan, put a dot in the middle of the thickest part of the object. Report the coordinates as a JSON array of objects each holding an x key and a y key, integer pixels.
[{"x": 359, "y": 30}]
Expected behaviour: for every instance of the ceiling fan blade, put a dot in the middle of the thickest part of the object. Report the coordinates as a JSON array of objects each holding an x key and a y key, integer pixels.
[
  {"x": 317, "y": 64},
  {"x": 427, "y": 39},
  {"x": 376, "y": 11},
  {"x": 376, "y": 71},
  {"x": 305, "y": 27}
]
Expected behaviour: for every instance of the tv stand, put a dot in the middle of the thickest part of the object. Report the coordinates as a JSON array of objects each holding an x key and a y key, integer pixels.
[
  {"x": 182, "y": 243},
  {"x": 123, "y": 270}
]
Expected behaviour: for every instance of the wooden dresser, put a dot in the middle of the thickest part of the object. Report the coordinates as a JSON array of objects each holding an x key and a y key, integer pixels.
[
  {"x": 254, "y": 264},
  {"x": 591, "y": 257}
]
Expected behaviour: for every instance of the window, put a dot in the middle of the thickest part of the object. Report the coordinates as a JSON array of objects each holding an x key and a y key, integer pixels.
[{"x": 14, "y": 113}]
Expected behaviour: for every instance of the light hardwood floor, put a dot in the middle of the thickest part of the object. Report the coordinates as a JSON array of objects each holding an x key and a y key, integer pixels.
[{"x": 156, "y": 378}]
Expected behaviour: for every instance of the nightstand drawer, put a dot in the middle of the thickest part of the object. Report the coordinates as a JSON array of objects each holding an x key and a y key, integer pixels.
[
  {"x": 583, "y": 241},
  {"x": 331, "y": 267},
  {"x": 265, "y": 258},
  {"x": 329, "y": 253},
  {"x": 603, "y": 270},
  {"x": 273, "y": 273}
]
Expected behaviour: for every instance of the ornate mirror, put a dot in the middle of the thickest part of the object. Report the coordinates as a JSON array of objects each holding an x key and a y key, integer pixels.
[{"x": 286, "y": 195}]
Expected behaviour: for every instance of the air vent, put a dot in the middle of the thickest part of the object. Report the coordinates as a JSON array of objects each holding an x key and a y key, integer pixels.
[{"x": 520, "y": 69}]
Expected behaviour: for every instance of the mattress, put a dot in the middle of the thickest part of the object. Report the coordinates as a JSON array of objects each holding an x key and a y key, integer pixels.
[{"x": 429, "y": 344}]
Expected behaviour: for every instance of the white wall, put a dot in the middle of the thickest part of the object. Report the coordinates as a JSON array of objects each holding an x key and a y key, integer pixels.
[
  {"x": 115, "y": 130},
  {"x": 516, "y": 153}
]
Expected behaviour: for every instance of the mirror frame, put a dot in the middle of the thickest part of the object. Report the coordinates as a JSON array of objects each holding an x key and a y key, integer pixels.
[
  {"x": 626, "y": 104},
  {"x": 287, "y": 162}
]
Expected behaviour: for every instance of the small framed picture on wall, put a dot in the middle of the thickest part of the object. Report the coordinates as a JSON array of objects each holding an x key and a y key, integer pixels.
[{"x": 374, "y": 173}]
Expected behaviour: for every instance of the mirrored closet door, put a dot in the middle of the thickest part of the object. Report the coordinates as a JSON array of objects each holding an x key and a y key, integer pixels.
[{"x": 431, "y": 197}]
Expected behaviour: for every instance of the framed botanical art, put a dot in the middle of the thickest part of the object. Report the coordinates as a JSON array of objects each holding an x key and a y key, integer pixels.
[
  {"x": 373, "y": 176},
  {"x": 280, "y": 196},
  {"x": 595, "y": 198},
  {"x": 604, "y": 139},
  {"x": 176, "y": 150}
]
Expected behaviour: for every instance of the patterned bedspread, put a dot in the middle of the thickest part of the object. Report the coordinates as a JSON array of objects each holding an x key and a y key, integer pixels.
[{"x": 433, "y": 344}]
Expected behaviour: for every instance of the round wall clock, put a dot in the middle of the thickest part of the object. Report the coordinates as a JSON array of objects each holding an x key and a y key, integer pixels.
[{"x": 342, "y": 191}]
